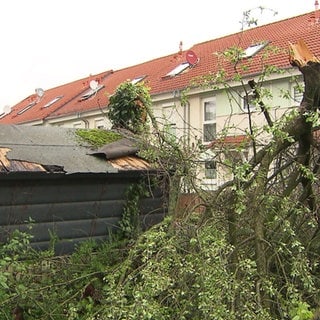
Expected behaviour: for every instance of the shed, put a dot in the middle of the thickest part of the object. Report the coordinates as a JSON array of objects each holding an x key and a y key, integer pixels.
[{"x": 59, "y": 185}]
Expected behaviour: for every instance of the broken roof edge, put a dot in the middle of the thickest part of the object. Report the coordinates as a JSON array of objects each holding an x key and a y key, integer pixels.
[
  {"x": 60, "y": 150},
  {"x": 117, "y": 149}
]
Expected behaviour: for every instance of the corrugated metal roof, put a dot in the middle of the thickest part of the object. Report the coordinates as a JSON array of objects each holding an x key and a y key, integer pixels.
[{"x": 31, "y": 148}]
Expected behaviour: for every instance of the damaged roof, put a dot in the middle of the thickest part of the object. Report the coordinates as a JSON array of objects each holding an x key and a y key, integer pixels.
[{"x": 55, "y": 149}]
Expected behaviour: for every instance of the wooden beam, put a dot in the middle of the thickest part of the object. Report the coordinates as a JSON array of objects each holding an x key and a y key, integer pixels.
[{"x": 300, "y": 54}]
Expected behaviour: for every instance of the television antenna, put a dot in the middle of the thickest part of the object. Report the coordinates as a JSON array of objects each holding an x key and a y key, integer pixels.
[
  {"x": 6, "y": 109},
  {"x": 39, "y": 92},
  {"x": 192, "y": 58},
  {"x": 93, "y": 85}
]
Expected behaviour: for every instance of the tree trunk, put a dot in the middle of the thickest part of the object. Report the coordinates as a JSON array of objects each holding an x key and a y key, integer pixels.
[{"x": 300, "y": 142}]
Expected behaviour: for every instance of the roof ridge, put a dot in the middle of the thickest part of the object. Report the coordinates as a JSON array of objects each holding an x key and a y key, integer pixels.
[
  {"x": 253, "y": 28},
  {"x": 278, "y": 32}
]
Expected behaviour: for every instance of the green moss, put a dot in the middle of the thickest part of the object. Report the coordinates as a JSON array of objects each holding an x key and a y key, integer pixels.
[{"x": 97, "y": 137}]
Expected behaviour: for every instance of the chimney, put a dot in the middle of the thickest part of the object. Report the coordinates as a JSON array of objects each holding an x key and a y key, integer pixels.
[
  {"x": 180, "y": 47},
  {"x": 316, "y": 12}
]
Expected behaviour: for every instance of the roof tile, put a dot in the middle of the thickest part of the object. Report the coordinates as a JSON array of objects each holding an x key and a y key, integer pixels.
[{"x": 278, "y": 34}]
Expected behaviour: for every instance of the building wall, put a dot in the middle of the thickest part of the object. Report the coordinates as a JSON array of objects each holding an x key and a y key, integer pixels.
[
  {"x": 72, "y": 208},
  {"x": 90, "y": 120},
  {"x": 186, "y": 122}
]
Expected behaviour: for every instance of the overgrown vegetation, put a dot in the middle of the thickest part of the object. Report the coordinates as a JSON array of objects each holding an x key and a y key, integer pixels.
[
  {"x": 97, "y": 137},
  {"x": 43, "y": 286},
  {"x": 128, "y": 107},
  {"x": 251, "y": 252},
  {"x": 129, "y": 224}
]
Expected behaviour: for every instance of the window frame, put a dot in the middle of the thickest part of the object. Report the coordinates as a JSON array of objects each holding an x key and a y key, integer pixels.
[
  {"x": 51, "y": 102},
  {"x": 210, "y": 173},
  {"x": 25, "y": 109},
  {"x": 91, "y": 92},
  {"x": 253, "y": 49},
  {"x": 78, "y": 125},
  {"x": 169, "y": 123},
  {"x": 99, "y": 123},
  {"x": 297, "y": 96},
  {"x": 178, "y": 69},
  {"x": 246, "y": 100},
  {"x": 137, "y": 79},
  {"x": 206, "y": 122}
]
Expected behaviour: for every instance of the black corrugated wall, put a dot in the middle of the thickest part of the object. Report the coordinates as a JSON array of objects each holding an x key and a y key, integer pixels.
[{"x": 73, "y": 208}]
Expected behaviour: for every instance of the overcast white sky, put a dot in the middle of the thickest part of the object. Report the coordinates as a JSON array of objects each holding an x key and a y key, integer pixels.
[{"x": 46, "y": 43}]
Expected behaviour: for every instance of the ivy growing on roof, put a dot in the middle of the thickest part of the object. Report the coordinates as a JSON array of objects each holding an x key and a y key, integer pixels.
[{"x": 128, "y": 106}]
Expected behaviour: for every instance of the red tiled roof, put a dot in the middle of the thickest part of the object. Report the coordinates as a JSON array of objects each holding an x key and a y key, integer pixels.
[
  {"x": 278, "y": 34},
  {"x": 41, "y": 109},
  {"x": 230, "y": 141}
]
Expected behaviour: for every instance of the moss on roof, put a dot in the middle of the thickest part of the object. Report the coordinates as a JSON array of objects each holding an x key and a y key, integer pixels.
[{"x": 97, "y": 137}]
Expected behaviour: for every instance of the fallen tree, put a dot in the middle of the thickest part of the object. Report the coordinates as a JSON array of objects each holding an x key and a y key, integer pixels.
[
  {"x": 253, "y": 254},
  {"x": 272, "y": 207}
]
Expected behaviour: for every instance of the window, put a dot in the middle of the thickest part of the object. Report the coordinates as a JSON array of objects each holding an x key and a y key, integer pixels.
[
  {"x": 253, "y": 49},
  {"x": 137, "y": 79},
  {"x": 78, "y": 125},
  {"x": 91, "y": 92},
  {"x": 100, "y": 124},
  {"x": 209, "y": 119},
  {"x": 181, "y": 67},
  {"x": 169, "y": 123},
  {"x": 298, "y": 93},
  {"x": 237, "y": 155},
  {"x": 249, "y": 101},
  {"x": 210, "y": 169},
  {"x": 50, "y": 103},
  {"x": 170, "y": 130},
  {"x": 29, "y": 106}
]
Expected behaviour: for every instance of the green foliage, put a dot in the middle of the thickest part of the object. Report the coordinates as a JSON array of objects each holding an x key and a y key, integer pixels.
[
  {"x": 128, "y": 106},
  {"x": 253, "y": 254},
  {"x": 249, "y": 17},
  {"x": 130, "y": 223},
  {"x": 179, "y": 269},
  {"x": 49, "y": 287},
  {"x": 301, "y": 311},
  {"x": 97, "y": 137},
  {"x": 173, "y": 272}
]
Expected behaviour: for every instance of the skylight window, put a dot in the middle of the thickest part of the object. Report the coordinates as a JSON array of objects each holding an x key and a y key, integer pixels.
[
  {"x": 253, "y": 49},
  {"x": 91, "y": 92},
  {"x": 181, "y": 67},
  {"x": 29, "y": 106},
  {"x": 137, "y": 79},
  {"x": 50, "y": 103}
]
